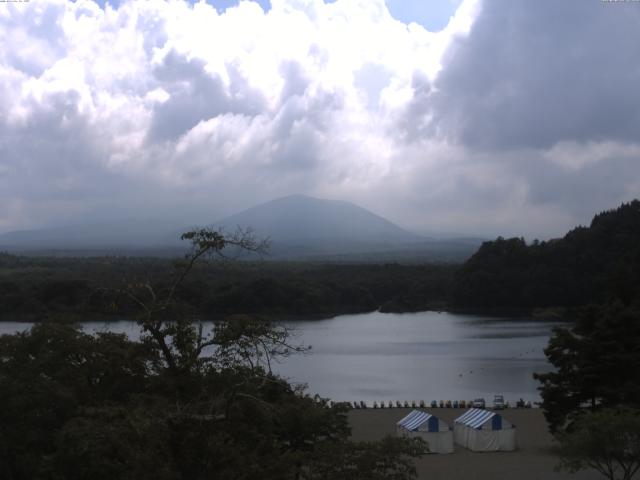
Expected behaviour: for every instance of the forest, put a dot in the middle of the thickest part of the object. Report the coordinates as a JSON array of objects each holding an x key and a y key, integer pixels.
[
  {"x": 34, "y": 288},
  {"x": 591, "y": 264}
]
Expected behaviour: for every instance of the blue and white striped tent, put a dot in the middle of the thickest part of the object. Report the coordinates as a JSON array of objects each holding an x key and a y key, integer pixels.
[
  {"x": 476, "y": 417},
  {"x": 417, "y": 420},
  {"x": 484, "y": 431},
  {"x": 430, "y": 428}
]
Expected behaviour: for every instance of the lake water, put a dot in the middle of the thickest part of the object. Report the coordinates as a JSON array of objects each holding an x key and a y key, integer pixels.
[{"x": 417, "y": 356}]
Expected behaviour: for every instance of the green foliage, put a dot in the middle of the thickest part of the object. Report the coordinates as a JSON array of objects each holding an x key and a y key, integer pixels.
[
  {"x": 607, "y": 440},
  {"x": 597, "y": 364},
  {"x": 75, "y": 406},
  {"x": 72, "y": 289},
  {"x": 389, "y": 459},
  {"x": 180, "y": 404},
  {"x": 48, "y": 375},
  {"x": 593, "y": 264}
]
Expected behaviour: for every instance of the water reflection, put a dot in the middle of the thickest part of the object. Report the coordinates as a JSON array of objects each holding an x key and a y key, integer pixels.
[{"x": 426, "y": 355}]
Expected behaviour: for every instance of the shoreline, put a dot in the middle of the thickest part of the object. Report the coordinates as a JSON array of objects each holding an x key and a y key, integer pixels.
[
  {"x": 533, "y": 458},
  {"x": 515, "y": 314}
]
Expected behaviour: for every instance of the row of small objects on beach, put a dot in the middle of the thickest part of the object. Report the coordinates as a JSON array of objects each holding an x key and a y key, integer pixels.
[{"x": 423, "y": 404}]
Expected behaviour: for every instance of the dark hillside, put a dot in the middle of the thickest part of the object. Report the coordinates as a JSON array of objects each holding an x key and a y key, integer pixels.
[
  {"x": 36, "y": 288},
  {"x": 588, "y": 265}
]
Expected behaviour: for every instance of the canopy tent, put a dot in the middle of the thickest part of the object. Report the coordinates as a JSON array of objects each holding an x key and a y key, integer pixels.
[
  {"x": 431, "y": 429},
  {"x": 483, "y": 431}
]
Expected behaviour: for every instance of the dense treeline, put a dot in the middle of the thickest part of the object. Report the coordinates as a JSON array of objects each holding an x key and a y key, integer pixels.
[
  {"x": 71, "y": 288},
  {"x": 589, "y": 265}
]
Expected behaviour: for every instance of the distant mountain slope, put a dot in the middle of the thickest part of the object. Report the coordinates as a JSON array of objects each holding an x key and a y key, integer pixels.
[
  {"x": 133, "y": 233},
  {"x": 589, "y": 264},
  {"x": 299, "y": 227},
  {"x": 306, "y": 228},
  {"x": 300, "y": 219}
]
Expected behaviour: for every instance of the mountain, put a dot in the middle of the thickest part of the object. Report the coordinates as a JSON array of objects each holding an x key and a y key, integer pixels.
[
  {"x": 129, "y": 235},
  {"x": 300, "y": 218},
  {"x": 303, "y": 227},
  {"x": 299, "y": 227}
]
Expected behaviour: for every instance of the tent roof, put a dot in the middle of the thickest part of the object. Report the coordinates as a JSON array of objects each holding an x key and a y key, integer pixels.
[
  {"x": 414, "y": 420},
  {"x": 475, "y": 417}
]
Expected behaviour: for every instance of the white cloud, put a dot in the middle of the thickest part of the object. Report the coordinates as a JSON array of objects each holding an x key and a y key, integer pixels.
[{"x": 166, "y": 107}]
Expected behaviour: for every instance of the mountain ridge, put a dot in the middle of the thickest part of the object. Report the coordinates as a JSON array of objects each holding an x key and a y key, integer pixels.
[
  {"x": 299, "y": 227},
  {"x": 302, "y": 217}
]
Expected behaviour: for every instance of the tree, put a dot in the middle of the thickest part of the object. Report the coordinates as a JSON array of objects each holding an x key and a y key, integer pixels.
[
  {"x": 597, "y": 364},
  {"x": 607, "y": 441},
  {"x": 389, "y": 459},
  {"x": 183, "y": 403},
  {"x": 50, "y": 376},
  {"x": 164, "y": 321}
]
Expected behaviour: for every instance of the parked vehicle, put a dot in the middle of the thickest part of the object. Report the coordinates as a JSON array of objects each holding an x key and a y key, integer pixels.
[
  {"x": 498, "y": 402},
  {"x": 479, "y": 403}
]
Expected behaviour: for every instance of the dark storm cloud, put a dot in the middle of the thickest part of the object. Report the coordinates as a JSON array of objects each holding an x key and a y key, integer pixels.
[
  {"x": 534, "y": 73},
  {"x": 541, "y": 106},
  {"x": 416, "y": 123}
]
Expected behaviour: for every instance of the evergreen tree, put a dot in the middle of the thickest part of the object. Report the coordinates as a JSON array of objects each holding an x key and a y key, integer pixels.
[{"x": 597, "y": 364}]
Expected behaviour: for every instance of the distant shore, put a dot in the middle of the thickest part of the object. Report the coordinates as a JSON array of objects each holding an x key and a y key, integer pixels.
[
  {"x": 533, "y": 459},
  {"x": 561, "y": 315}
]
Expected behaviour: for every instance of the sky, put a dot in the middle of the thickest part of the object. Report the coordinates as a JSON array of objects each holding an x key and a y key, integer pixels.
[{"x": 500, "y": 117}]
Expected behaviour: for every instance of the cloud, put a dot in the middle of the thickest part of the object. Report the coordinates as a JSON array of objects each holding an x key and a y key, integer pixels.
[
  {"x": 540, "y": 94},
  {"x": 194, "y": 95},
  {"x": 500, "y": 123},
  {"x": 533, "y": 74}
]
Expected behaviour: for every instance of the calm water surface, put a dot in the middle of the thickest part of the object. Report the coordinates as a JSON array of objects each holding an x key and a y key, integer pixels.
[{"x": 426, "y": 355}]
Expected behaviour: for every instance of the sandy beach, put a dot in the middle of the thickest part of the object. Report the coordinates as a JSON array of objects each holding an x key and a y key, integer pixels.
[{"x": 532, "y": 460}]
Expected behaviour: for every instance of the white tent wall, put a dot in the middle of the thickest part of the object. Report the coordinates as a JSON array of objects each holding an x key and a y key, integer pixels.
[
  {"x": 484, "y": 438},
  {"x": 461, "y": 435},
  {"x": 439, "y": 439},
  {"x": 441, "y": 442},
  {"x": 508, "y": 440},
  {"x": 437, "y": 442},
  {"x": 491, "y": 440}
]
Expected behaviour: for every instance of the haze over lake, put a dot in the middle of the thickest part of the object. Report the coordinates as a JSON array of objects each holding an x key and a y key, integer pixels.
[{"x": 417, "y": 356}]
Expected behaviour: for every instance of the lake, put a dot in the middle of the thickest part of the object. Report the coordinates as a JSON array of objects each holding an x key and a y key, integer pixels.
[{"x": 412, "y": 356}]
